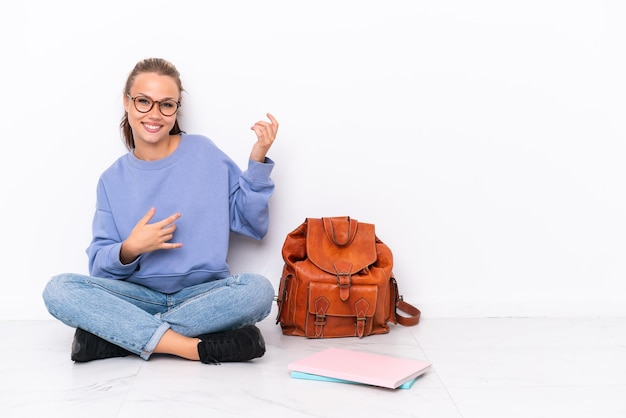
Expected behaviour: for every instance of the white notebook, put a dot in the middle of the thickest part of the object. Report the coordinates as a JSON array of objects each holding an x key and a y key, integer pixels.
[{"x": 362, "y": 367}]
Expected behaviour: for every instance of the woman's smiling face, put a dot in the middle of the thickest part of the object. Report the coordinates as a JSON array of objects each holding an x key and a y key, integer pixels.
[{"x": 151, "y": 127}]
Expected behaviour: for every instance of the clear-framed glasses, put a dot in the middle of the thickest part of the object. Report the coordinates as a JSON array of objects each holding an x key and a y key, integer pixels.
[{"x": 144, "y": 104}]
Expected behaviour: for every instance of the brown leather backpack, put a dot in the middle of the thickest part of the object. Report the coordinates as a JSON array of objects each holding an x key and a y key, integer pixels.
[{"x": 337, "y": 281}]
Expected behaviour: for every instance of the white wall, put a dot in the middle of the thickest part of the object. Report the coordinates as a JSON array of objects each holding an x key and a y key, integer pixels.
[{"x": 485, "y": 139}]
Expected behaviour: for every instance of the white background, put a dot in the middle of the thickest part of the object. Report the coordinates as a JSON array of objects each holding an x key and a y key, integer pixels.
[{"x": 484, "y": 139}]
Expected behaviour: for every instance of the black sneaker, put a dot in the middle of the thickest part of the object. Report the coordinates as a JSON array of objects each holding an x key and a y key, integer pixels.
[
  {"x": 87, "y": 347},
  {"x": 241, "y": 344}
]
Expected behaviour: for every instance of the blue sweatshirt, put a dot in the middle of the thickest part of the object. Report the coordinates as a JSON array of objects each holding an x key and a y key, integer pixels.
[{"x": 201, "y": 182}]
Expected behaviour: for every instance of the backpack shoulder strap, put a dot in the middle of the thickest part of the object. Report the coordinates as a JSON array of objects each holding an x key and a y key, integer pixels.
[{"x": 413, "y": 314}]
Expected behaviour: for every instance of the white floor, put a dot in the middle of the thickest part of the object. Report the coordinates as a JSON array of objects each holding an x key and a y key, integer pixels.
[{"x": 503, "y": 368}]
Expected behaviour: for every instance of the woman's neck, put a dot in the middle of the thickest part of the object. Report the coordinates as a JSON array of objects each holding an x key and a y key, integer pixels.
[{"x": 157, "y": 151}]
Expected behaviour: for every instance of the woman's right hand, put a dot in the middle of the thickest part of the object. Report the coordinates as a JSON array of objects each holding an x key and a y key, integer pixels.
[{"x": 146, "y": 237}]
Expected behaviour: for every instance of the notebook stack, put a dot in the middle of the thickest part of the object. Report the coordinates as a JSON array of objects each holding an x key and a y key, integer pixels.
[{"x": 349, "y": 366}]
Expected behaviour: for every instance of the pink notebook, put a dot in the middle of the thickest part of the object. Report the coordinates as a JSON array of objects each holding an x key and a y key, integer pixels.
[{"x": 362, "y": 367}]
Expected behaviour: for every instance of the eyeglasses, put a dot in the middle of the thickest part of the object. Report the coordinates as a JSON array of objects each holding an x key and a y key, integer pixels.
[{"x": 144, "y": 104}]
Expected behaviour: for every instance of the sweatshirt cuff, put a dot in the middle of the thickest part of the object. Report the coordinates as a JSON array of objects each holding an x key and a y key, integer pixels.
[
  {"x": 115, "y": 263},
  {"x": 260, "y": 171}
]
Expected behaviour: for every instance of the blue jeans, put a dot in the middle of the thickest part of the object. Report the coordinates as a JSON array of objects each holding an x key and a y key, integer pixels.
[{"x": 135, "y": 317}]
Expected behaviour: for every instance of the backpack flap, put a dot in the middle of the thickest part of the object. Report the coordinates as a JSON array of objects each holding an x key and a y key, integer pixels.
[{"x": 341, "y": 245}]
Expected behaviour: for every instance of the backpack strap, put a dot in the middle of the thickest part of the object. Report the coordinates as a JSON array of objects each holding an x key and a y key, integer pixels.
[{"x": 400, "y": 304}]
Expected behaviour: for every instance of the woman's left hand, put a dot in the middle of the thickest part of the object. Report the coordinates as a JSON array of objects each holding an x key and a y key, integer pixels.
[{"x": 266, "y": 134}]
